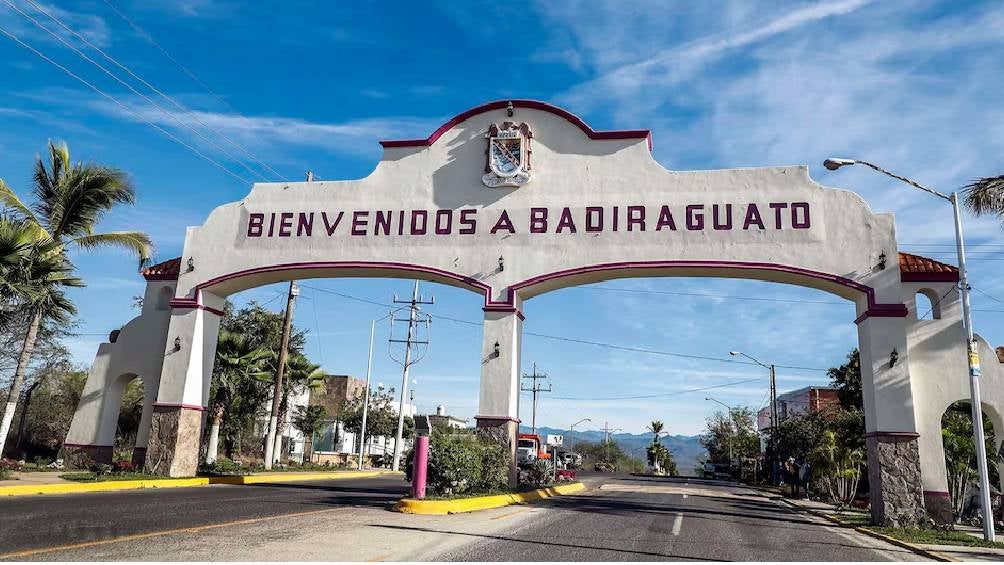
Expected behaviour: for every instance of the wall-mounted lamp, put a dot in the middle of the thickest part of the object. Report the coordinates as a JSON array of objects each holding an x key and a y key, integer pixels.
[
  {"x": 191, "y": 264},
  {"x": 893, "y": 357},
  {"x": 509, "y": 110},
  {"x": 501, "y": 264},
  {"x": 495, "y": 352},
  {"x": 881, "y": 263},
  {"x": 177, "y": 344}
]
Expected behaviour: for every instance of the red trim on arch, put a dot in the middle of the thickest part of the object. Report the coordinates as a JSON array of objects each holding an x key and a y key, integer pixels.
[
  {"x": 508, "y": 305},
  {"x": 192, "y": 303},
  {"x": 874, "y": 308},
  {"x": 195, "y": 407},
  {"x": 498, "y": 418},
  {"x": 901, "y": 435},
  {"x": 83, "y": 445},
  {"x": 532, "y": 104}
]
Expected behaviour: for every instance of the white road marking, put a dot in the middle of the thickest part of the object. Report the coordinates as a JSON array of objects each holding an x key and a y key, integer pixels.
[
  {"x": 677, "y": 524},
  {"x": 684, "y": 496}
]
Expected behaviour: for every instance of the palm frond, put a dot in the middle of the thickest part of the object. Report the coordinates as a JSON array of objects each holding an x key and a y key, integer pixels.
[
  {"x": 986, "y": 196},
  {"x": 11, "y": 200},
  {"x": 134, "y": 241}
]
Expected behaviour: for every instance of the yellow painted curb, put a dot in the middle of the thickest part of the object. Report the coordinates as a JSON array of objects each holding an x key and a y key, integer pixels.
[
  {"x": 75, "y": 487},
  {"x": 414, "y": 506},
  {"x": 71, "y": 487},
  {"x": 292, "y": 477}
]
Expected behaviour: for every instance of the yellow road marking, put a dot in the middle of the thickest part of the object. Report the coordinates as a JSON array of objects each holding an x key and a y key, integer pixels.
[
  {"x": 133, "y": 537},
  {"x": 378, "y": 558}
]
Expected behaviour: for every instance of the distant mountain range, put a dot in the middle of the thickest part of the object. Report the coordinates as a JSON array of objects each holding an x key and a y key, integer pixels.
[{"x": 687, "y": 450}]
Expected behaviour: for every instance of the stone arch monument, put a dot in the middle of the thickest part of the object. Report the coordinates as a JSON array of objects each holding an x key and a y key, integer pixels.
[{"x": 516, "y": 198}]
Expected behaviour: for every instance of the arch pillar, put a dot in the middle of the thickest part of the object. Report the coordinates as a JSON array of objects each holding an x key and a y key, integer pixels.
[
  {"x": 894, "y": 470},
  {"x": 498, "y": 403},
  {"x": 178, "y": 414}
]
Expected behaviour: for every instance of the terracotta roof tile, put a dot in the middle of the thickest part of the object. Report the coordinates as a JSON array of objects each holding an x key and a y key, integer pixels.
[
  {"x": 914, "y": 268},
  {"x": 164, "y": 271}
]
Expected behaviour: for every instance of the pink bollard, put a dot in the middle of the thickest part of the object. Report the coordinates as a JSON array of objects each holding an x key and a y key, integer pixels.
[{"x": 418, "y": 473}]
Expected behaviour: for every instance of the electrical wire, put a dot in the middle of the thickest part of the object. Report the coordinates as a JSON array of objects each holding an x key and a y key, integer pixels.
[
  {"x": 173, "y": 101},
  {"x": 164, "y": 111},
  {"x": 183, "y": 68},
  {"x": 111, "y": 98},
  {"x": 660, "y": 395}
]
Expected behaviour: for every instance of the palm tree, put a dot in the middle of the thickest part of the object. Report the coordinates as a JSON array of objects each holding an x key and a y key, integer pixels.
[
  {"x": 300, "y": 375},
  {"x": 655, "y": 428},
  {"x": 986, "y": 196},
  {"x": 70, "y": 199},
  {"x": 237, "y": 363}
]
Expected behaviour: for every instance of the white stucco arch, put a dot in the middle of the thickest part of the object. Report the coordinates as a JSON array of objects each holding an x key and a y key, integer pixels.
[{"x": 597, "y": 206}]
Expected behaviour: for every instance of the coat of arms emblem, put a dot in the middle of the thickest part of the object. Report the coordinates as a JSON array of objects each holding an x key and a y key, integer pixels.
[{"x": 508, "y": 155}]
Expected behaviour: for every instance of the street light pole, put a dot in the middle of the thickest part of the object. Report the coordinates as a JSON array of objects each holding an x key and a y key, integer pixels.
[
  {"x": 972, "y": 351},
  {"x": 366, "y": 397},
  {"x": 733, "y": 427},
  {"x": 572, "y": 429},
  {"x": 774, "y": 421}
]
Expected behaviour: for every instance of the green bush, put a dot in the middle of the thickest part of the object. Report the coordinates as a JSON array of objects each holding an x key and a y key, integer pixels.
[
  {"x": 463, "y": 463},
  {"x": 224, "y": 467}
]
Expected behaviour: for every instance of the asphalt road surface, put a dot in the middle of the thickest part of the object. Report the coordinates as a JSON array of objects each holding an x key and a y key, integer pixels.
[
  {"x": 617, "y": 519},
  {"x": 31, "y": 522},
  {"x": 643, "y": 519}
]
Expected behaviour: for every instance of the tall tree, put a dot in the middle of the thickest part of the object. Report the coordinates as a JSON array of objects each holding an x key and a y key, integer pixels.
[
  {"x": 300, "y": 375},
  {"x": 847, "y": 380},
  {"x": 33, "y": 277},
  {"x": 986, "y": 196},
  {"x": 309, "y": 420},
  {"x": 238, "y": 368}
]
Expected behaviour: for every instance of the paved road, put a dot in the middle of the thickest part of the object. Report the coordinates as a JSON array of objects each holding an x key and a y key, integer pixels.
[
  {"x": 619, "y": 518},
  {"x": 643, "y": 519},
  {"x": 29, "y": 522}
]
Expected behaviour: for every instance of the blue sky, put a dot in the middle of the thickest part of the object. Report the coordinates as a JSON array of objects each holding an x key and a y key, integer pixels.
[{"x": 914, "y": 86}]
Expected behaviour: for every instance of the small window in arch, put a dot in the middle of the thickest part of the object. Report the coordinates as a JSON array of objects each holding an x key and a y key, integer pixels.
[
  {"x": 164, "y": 298},
  {"x": 928, "y": 305}
]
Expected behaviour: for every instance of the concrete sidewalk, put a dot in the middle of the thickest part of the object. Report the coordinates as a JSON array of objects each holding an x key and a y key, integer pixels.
[{"x": 950, "y": 552}]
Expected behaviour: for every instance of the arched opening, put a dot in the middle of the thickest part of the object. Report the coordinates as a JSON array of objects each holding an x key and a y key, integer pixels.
[
  {"x": 128, "y": 422},
  {"x": 319, "y": 419},
  {"x": 960, "y": 460},
  {"x": 626, "y": 353},
  {"x": 928, "y": 305}
]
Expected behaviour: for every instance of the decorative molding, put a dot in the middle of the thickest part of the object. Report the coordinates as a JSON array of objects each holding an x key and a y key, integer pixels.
[
  {"x": 897, "y": 435},
  {"x": 196, "y": 407},
  {"x": 531, "y": 104}
]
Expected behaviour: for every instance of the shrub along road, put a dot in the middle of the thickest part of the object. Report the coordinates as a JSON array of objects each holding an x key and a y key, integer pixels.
[{"x": 620, "y": 518}]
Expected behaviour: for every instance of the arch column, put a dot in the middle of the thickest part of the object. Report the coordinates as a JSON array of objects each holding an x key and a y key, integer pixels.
[
  {"x": 143, "y": 433},
  {"x": 498, "y": 403},
  {"x": 894, "y": 471},
  {"x": 178, "y": 413}
]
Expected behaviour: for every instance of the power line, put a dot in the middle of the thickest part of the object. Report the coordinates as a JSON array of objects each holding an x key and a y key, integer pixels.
[
  {"x": 724, "y": 296},
  {"x": 167, "y": 113},
  {"x": 154, "y": 89},
  {"x": 661, "y": 395},
  {"x": 121, "y": 105},
  {"x": 183, "y": 68}
]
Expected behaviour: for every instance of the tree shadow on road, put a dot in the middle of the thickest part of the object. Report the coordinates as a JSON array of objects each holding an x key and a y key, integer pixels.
[{"x": 536, "y": 542}]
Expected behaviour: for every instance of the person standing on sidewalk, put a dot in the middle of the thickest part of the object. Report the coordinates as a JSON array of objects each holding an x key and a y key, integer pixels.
[{"x": 805, "y": 477}]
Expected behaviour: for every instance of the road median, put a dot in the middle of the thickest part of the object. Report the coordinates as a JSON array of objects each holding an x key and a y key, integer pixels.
[
  {"x": 475, "y": 503},
  {"x": 101, "y": 486}
]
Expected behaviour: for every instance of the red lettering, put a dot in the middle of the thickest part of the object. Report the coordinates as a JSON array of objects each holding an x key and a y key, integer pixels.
[
  {"x": 665, "y": 219},
  {"x": 467, "y": 223},
  {"x": 538, "y": 220},
  {"x": 695, "y": 217},
  {"x": 752, "y": 216},
  {"x": 503, "y": 223},
  {"x": 716, "y": 220},
  {"x": 594, "y": 219},
  {"x": 635, "y": 216},
  {"x": 565, "y": 222},
  {"x": 256, "y": 221},
  {"x": 359, "y": 218},
  {"x": 777, "y": 207},
  {"x": 329, "y": 227}
]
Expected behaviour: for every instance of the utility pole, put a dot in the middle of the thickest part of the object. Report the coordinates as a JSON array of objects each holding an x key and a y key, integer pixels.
[
  {"x": 776, "y": 465},
  {"x": 273, "y": 421},
  {"x": 413, "y": 307},
  {"x": 606, "y": 439},
  {"x": 536, "y": 388},
  {"x": 273, "y": 436}
]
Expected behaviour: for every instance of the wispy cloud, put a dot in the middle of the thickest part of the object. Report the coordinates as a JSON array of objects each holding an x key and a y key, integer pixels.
[{"x": 90, "y": 26}]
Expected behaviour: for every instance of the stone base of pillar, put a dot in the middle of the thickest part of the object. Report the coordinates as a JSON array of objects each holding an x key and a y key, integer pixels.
[
  {"x": 173, "y": 447},
  {"x": 139, "y": 456},
  {"x": 897, "y": 495},
  {"x": 508, "y": 428},
  {"x": 96, "y": 453},
  {"x": 939, "y": 507}
]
